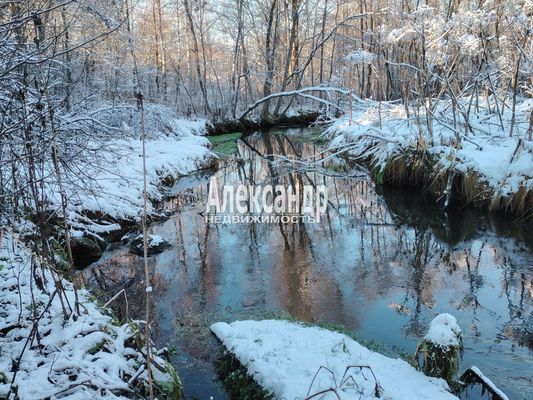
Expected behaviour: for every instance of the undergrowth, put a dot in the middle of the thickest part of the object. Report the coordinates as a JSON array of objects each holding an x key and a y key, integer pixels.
[{"x": 237, "y": 382}]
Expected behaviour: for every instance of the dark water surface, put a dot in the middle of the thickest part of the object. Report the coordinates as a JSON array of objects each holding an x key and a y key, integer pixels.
[{"x": 381, "y": 264}]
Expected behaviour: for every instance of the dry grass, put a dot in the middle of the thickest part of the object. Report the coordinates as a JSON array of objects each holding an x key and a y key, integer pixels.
[
  {"x": 519, "y": 203},
  {"x": 415, "y": 168},
  {"x": 396, "y": 171}
]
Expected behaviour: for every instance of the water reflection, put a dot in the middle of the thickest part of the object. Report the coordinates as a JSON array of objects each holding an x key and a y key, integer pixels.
[{"x": 381, "y": 264}]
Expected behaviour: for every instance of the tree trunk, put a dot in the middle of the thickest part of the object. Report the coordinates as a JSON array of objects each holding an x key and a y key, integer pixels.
[
  {"x": 270, "y": 52},
  {"x": 194, "y": 40}
]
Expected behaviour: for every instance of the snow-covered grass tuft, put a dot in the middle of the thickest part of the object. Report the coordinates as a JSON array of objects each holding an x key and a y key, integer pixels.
[
  {"x": 441, "y": 347},
  {"x": 444, "y": 331}
]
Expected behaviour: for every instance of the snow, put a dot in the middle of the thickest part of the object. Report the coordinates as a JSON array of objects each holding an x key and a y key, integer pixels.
[
  {"x": 153, "y": 240},
  {"x": 283, "y": 357},
  {"x": 504, "y": 164},
  {"x": 118, "y": 187},
  {"x": 489, "y": 383},
  {"x": 401, "y": 34},
  {"x": 77, "y": 358},
  {"x": 360, "y": 57},
  {"x": 102, "y": 168},
  {"x": 159, "y": 121},
  {"x": 471, "y": 44},
  {"x": 108, "y": 177},
  {"x": 444, "y": 331}
]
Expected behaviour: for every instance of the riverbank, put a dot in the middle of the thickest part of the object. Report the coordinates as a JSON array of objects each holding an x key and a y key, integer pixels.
[
  {"x": 55, "y": 341},
  {"x": 110, "y": 185},
  {"x": 103, "y": 185},
  {"x": 48, "y": 350},
  {"x": 292, "y": 361},
  {"x": 474, "y": 162},
  {"x": 412, "y": 262}
]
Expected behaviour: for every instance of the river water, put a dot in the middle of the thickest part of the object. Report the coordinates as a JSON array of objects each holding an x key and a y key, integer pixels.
[{"x": 381, "y": 263}]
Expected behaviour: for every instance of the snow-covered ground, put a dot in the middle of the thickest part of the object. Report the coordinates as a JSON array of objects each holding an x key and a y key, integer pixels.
[
  {"x": 107, "y": 176},
  {"x": 384, "y": 132},
  {"x": 117, "y": 187},
  {"x": 294, "y": 361},
  {"x": 83, "y": 357}
]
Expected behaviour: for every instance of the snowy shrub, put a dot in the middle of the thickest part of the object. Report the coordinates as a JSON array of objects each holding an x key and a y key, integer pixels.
[
  {"x": 360, "y": 57},
  {"x": 402, "y": 34},
  {"x": 470, "y": 44},
  {"x": 159, "y": 121}
]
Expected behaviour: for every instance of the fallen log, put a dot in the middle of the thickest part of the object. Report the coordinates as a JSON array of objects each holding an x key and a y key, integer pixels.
[{"x": 223, "y": 126}]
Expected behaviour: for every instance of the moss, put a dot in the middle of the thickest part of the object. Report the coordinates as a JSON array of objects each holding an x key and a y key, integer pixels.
[
  {"x": 60, "y": 251},
  {"x": 319, "y": 140},
  {"x": 225, "y": 145},
  {"x": 312, "y": 134},
  {"x": 233, "y": 136},
  {"x": 279, "y": 315},
  {"x": 371, "y": 344},
  {"x": 378, "y": 175},
  {"x": 97, "y": 347},
  {"x": 237, "y": 382}
]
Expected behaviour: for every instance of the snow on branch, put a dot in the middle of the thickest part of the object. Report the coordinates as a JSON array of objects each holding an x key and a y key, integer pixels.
[{"x": 303, "y": 93}]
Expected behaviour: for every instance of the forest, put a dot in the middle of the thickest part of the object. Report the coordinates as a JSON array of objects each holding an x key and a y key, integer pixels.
[{"x": 412, "y": 118}]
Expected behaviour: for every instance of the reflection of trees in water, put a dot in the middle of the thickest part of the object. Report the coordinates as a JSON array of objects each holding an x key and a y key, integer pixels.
[
  {"x": 125, "y": 272},
  {"x": 295, "y": 277},
  {"x": 475, "y": 282},
  {"x": 422, "y": 247},
  {"x": 420, "y": 283},
  {"x": 517, "y": 287},
  {"x": 390, "y": 249}
]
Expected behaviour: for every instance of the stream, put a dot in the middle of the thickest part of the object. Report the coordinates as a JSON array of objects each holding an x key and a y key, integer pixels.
[{"x": 382, "y": 263}]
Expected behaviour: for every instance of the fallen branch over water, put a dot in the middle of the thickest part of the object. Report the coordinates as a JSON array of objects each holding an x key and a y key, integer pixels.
[{"x": 303, "y": 92}]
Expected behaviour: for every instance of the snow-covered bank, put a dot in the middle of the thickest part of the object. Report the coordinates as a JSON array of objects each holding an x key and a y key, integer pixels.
[
  {"x": 81, "y": 357},
  {"x": 472, "y": 156},
  {"x": 117, "y": 187},
  {"x": 285, "y": 358},
  {"x": 106, "y": 178}
]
